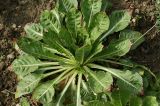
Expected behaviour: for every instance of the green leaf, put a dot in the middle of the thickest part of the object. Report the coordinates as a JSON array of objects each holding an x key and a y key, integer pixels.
[
  {"x": 66, "y": 6},
  {"x": 106, "y": 4},
  {"x": 83, "y": 37},
  {"x": 116, "y": 48},
  {"x": 89, "y": 8},
  {"x": 27, "y": 84},
  {"x": 135, "y": 101},
  {"x": 133, "y": 78},
  {"x": 36, "y": 49},
  {"x": 44, "y": 92},
  {"x": 24, "y": 102},
  {"x": 66, "y": 39},
  {"x": 116, "y": 99},
  {"x": 134, "y": 36},
  {"x": 121, "y": 96},
  {"x": 25, "y": 65},
  {"x": 95, "y": 50},
  {"x": 34, "y": 31},
  {"x": 119, "y": 74},
  {"x": 50, "y": 20},
  {"x": 100, "y": 24},
  {"x": 158, "y": 1},
  {"x": 74, "y": 22},
  {"x": 98, "y": 103},
  {"x": 150, "y": 101},
  {"x": 99, "y": 81},
  {"x": 124, "y": 96},
  {"x": 86, "y": 92},
  {"x": 82, "y": 53},
  {"x": 119, "y": 20}
]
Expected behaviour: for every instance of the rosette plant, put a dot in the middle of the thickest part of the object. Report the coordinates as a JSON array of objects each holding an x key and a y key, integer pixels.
[{"x": 64, "y": 61}]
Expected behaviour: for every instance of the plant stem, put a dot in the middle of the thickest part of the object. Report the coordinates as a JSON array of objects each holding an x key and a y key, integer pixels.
[
  {"x": 78, "y": 90},
  {"x": 40, "y": 64},
  {"x": 65, "y": 88},
  {"x": 70, "y": 73},
  {"x": 50, "y": 68},
  {"x": 54, "y": 72}
]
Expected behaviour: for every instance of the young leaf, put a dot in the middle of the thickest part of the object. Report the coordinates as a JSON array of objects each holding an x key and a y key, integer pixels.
[
  {"x": 100, "y": 24},
  {"x": 94, "y": 52},
  {"x": 27, "y": 84},
  {"x": 99, "y": 81},
  {"x": 116, "y": 48},
  {"x": 51, "y": 36},
  {"x": 89, "y": 8},
  {"x": 74, "y": 22},
  {"x": 82, "y": 53},
  {"x": 44, "y": 92},
  {"x": 24, "y": 102},
  {"x": 83, "y": 37},
  {"x": 119, "y": 20},
  {"x": 134, "y": 36},
  {"x": 50, "y": 20},
  {"x": 25, "y": 65},
  {"x": 66, "y": 6},
  {"x": 34, "y": 31},
  {"x": 150, "y": 101}
]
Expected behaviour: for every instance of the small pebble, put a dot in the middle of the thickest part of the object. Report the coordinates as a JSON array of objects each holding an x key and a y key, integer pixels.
[
  {"x": 11, "y": 55},
  {"x": 17, "y": 105},
  {"x": 134, "y": 20},
  {"x": 14, "y": 26}
]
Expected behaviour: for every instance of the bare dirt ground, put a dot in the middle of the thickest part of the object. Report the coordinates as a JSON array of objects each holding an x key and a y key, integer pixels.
[{"x": 14, "y": 14}]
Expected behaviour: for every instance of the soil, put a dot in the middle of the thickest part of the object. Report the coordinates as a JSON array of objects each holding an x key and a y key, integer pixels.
[{"x": 14, "y": 14}]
